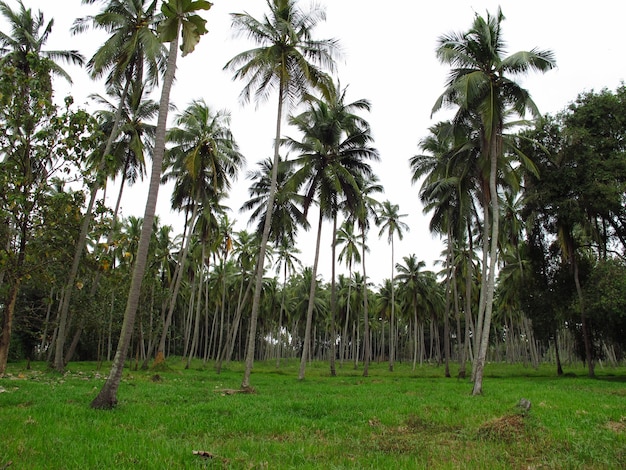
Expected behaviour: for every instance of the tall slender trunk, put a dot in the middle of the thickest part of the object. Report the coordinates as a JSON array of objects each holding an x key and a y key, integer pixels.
[
  {"x": 495, "y": 151},
  {"x": 366, "y": 315},
  {"x": 81, "y": 243},
  {"x": 279, "y": 334},
  {"x": 415, "y": 332},
  {"x": 392, "y": 340},
  {"x": 107, "y": 398},
  {"x": 483, "y": 288},
  {"x": 260, "y": 268},
  {"x": 333, "y": 301},
  {"x": 226, "y": 353},
  {"x": 446, "y": 313},
  {"x": 196, "y": 328},
  {"x": 180, "y": 269},
  {"x": 311, "y": 305},
  {"x": 344, "y": 342}
]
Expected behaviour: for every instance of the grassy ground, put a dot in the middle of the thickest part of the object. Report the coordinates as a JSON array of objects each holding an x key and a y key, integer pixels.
[{"x": 399, "y": 420}]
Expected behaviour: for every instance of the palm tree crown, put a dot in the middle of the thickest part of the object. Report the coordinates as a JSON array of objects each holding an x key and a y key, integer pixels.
[
  {"x": 287, "y": 57},
  {"x": 27, "y": 39}
]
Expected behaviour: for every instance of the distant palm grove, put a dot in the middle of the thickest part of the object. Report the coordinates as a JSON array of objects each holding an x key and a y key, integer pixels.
[{"x": 531, "y": 207}]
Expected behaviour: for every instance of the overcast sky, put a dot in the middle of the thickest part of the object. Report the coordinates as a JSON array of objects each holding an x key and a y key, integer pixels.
[{"x": 389, "y": 59}]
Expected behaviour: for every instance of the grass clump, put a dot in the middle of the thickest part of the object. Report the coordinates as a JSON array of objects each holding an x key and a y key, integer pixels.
[{"x": 401, "y": 419}]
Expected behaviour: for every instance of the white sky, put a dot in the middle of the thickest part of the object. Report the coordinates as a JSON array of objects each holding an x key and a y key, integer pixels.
[{"x": 388, "y": 58}]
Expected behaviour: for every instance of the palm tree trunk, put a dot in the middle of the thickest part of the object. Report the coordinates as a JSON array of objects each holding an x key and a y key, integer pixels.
[
  {"x": 366, "y": 316},
  {"x": 107, "y": 398},
  {"x": 311, "y": 305},
  {"x": 279, "y": 335},
  {"x": 393, "y": 313},
  {"x": 495, "y": 209},
  {"x": 344, "y": 339},
  {"x": 260, "y": 268},
  {"x": 59, "y": 362},
  {"x": 160, "y": 356},
  {"x": 333, "y": 302}
]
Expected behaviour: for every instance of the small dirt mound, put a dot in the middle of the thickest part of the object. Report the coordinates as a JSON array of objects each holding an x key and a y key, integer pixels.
[{"x": 506, "y": 428}]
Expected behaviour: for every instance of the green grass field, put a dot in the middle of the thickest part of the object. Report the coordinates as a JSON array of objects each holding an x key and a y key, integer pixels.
[{"x": 390, "y": 420}]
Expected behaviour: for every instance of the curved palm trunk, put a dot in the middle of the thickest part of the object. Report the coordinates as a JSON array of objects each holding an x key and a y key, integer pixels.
[
  {"x": 311, "y": 305},
  {"x": 478, "y": 326},
  {"x": 256, "y": 299},
  {"x": 107, "y": 398},
  {"x": 495, "y": 209}
]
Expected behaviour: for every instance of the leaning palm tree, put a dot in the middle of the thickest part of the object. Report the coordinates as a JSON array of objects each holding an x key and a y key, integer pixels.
[
  {"x": 133, "y": 43},
  {"x": 389, "y": 221},
  {"x": 179, "y": 17},
  {"x": 290, "y": 60},
  {"x": 479, "y": 85}
]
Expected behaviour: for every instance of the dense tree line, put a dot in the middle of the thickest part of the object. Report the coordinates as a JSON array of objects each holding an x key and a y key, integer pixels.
[{"x": 531, "y": 211}]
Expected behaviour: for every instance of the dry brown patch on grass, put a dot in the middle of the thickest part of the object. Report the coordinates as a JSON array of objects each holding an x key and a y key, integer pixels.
[
  {"x": 617, "y": 426},
  {"x": 412, "y": 436},
  {"x": 505, "y": 428}
]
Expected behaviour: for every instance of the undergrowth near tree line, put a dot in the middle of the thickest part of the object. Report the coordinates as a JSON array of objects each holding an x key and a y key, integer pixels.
[{"x": 400, "y": 419}]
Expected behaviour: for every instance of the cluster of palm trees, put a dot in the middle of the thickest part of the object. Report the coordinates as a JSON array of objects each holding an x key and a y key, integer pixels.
[{"x": 207, "y": 293}]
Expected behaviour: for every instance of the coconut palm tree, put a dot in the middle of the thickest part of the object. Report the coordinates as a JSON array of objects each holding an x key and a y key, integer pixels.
[
  {"x": 479, "y": 85},
  {"x": 179, "y": 17},
  {"x": 366, "y": 210},
  {"x": 351, "y": 251},
  {"x": 290, "y": 60},
  {"x": 389, "y": 221},
  {"x": 332, "y": 156},
  {"x": 132, "y": 44},
  {"x": 287, "y": 215},
  {"x": 27, "y": 39},
  {"x": 135, "y": 138},
  {"x": 412, "y": 287},
  {"x": 203, "y": 162}
]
